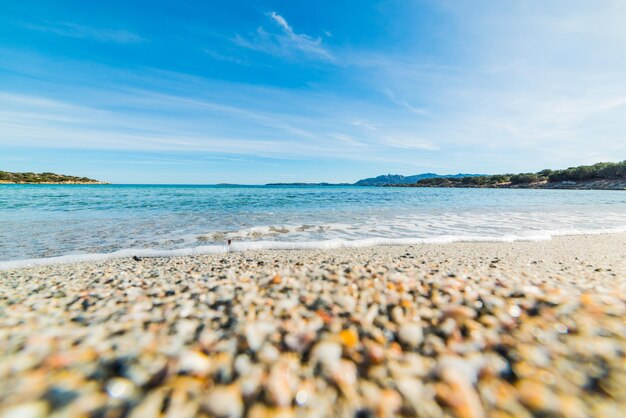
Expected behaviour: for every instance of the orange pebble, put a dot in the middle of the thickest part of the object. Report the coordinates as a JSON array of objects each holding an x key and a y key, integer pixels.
[
  {"x": 326, "y": 317},
  {"x": 349, "y": 338}
]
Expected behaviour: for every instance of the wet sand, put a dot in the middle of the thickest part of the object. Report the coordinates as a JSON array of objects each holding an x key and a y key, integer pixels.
[{"x": 466, "y": 329}]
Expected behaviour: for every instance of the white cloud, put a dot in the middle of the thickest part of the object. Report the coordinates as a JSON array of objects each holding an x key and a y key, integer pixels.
[
  {"x": 281, "y": 22},
  {"x": 74, "y": 30},
  {"x": 285, "y": 43},
  {"x": 528, "y": 86},
  {"x": 405, "y": 104},
  {"x": 406, "y": 142},
  {"x": 348, "y": 139},
  {"x": 364, "y": 124},
  {"x": 223, "y": 57}
]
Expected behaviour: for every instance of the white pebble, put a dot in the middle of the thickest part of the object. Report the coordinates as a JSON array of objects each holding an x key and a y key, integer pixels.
[
  {"x": 257, "y": 332},
  {"x": 120, "y": 388},
  {"x": 27, "y": 410},
  {"x": 195, "y": 362},
  {"x": 224, "y": 402},
  {"x": 327, "y": 353},
  {"x": 411, "y": 334}
]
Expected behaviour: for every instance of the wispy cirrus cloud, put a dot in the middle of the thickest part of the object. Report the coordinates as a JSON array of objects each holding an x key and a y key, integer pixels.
[
  {"x": 285, "y": 42},
  {"x": 408, "y": 142},
  {"x": 364, "y": 124},
  {"x": 225, "y": 57},
  {"x": 73, "y": 30},
  {"x": 405, "y": 104}
]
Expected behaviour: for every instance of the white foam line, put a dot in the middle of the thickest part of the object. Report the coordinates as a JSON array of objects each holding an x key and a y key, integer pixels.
[
  {"x": 295, "y": 245},
  {"x": 125, "y": 253}
]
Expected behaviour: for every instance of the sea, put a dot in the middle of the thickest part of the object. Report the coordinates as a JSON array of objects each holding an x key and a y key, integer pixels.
[{"x": 43, "y": 224}]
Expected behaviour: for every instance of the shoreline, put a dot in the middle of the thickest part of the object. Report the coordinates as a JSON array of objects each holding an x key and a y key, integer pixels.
[
  {"x": 562, "y": 185},
  {"x": 54, "y": 183},
  {"x": 462, "y": 329},
  {"x": 263, "y": 246}
]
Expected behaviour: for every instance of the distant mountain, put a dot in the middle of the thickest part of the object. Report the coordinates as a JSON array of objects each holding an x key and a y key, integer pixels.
[
  {"x": 388, "y": 179},
  {"x": 308, "y": 184}
]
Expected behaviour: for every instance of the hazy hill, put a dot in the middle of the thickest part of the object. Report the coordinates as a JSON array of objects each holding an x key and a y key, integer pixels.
[{"x": 389, "y": 179}]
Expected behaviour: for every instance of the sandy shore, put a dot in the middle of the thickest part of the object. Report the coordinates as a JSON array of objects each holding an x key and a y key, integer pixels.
[{"x": 466, "y": 330}]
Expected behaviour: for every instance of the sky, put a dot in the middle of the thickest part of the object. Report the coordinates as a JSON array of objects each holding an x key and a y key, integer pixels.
[{"x": 264, "y": 91}]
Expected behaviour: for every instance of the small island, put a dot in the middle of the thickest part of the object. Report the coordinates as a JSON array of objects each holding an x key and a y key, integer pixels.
[
  {"x": 600, "y": 176},
  {"x": 43, "y": 178}
]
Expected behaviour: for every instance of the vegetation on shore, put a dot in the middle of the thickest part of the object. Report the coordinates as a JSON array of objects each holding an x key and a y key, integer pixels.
[
  {"x": 36, "y": 178},
  {"x": 599, "y": 171}
]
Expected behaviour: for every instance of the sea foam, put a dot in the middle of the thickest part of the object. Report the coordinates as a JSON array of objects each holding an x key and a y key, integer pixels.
[{"x": 297, "y": 245}]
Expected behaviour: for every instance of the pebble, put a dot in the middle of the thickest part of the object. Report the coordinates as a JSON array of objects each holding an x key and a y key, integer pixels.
[
  {"x": 411, "y": 334},
  {"x": 327, "y": 354},
  {"x": 195, "y": 363},
  {"x": 35, "y": 409},
  {"x": 347, "y": 333},
  {"x": 257, "y": 332},
  {"x": 349, "y": 338},
  {"x": 120, "y": 388},
  {"x": 224, "y": 402}
]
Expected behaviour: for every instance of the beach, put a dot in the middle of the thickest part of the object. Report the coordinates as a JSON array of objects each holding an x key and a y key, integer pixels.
[
  {"x": 280, "y": 209},
  {"x": 462, "y": 329}
]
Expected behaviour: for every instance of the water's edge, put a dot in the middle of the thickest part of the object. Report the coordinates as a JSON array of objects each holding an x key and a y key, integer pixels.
[{"x": 290, "y": 245}]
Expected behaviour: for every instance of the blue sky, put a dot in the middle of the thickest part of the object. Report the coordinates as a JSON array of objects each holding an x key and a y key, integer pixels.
[{"x": 265, "y": 91}]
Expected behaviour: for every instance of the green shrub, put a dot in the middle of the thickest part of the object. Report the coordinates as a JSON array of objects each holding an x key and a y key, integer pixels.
[{"x": 524, "y": 178}]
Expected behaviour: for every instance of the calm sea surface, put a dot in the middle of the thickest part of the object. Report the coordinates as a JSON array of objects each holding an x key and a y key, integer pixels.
[{"x": 39, "y": 221}]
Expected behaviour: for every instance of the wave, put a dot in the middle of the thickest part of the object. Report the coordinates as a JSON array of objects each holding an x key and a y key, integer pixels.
[{"x": 260, "y": 245}]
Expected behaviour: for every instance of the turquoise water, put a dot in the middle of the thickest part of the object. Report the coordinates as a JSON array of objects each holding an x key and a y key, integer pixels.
[{"x": 41, "y": 221}]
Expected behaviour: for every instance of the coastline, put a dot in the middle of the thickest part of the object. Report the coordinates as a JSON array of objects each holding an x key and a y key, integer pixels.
[
  {"x": 464, "y": 329},
  {"x": 559, "y": 185},
  {"x": 53, "y": 183}
]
